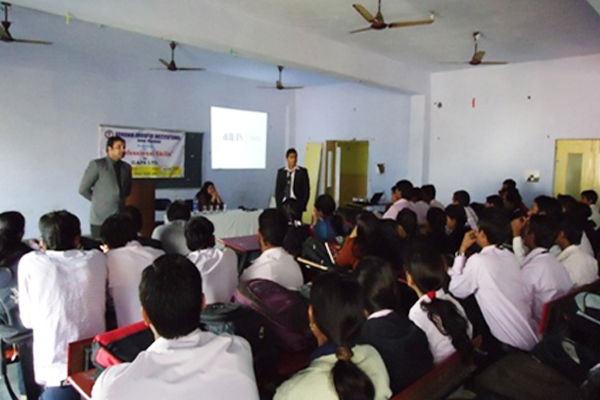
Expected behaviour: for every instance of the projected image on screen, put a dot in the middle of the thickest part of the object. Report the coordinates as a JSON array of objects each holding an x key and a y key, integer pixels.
[{"x": 238, "y": 138}]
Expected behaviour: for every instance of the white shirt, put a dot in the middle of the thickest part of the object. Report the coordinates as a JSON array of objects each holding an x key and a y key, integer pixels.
[
  {"x": 472, "y": 218},
  {"x": 315, "y": 383},
  {"x": 62, "y": 297},
  {"x": 200, "y": 365},
  {"x": 581, "y": 267},
  {"x": 595, "y": 215},
  {"x": 436, "y": 203},
  {"x": 219, "y": 273},
  {"x": 276, "y": 265},
  {"x": 440, "y": 345},
  {"x": 292, "y": 178},
  {"x": 586, "y": 245},
  {"x": 545, "y": 280},
  {"x": 172, "y": 237},
  {"x": 395, "y": 208},
  {"x": 521, "y": 250},
  {"x": 125, "y": 265},
  {"x": 420, "y": 208},
  {"x": 494, "y": 276}
]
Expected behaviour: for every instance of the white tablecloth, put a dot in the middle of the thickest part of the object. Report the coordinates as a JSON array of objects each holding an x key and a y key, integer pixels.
[{"x": 233, "y": 223}]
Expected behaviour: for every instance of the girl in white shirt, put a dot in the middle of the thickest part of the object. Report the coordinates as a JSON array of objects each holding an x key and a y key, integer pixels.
[
  {"x": 436, "y": 312},
  {"x": 338, "y": 370}
]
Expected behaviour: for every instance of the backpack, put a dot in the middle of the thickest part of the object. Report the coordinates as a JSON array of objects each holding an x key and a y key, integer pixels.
[
  {"x": 120, "y": 345},
  {"x": 242, "y": 321},
  {"x": 315, "y": 250},
  {"x": 286, "y": 312}
]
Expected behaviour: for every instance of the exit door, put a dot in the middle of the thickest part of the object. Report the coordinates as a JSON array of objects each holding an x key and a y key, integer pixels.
[
  {"x": 346, "y": 170},
  {"x": 576, "y": 166}
]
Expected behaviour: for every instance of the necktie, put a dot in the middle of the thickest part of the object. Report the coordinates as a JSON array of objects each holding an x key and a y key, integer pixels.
[{"x": 288, "y": 185}]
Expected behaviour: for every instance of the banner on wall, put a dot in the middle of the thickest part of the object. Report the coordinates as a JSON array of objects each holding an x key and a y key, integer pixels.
[{"x": 152, "y": 153}]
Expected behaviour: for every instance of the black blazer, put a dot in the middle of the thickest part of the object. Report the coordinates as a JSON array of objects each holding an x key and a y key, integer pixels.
[
  {"x": 301, "y": 187},
  {"x": 403, "y": 347}
]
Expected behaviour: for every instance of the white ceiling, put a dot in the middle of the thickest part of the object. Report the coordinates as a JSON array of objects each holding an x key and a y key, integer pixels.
[{"x": 312, "y": 34}]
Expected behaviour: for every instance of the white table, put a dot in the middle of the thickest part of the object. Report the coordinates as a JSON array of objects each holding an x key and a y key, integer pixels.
[{"x": 233, "y": 223}]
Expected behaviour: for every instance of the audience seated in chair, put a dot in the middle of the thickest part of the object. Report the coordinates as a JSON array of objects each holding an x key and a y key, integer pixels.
[
  {"x": 429, "y": 193},
  {"x": 437, "y": 313},
  {"x": 339, "y": 369},
  {"x": 217, "y": 267},
  {"x": 582, "y": 267},
  {"x": 324, "y": 225},
  {"x": 274, "y": 263},
  {"x": 400, "y": 194},
  {"x": 133, "y": 213},
  {"x": 463, "y": 199},
  {"x": 402, "y": 345},
  {"x": 171, "y": 234},
  {"x": 62, "y": 297},
  {"x": 544, "y": 276},
  {"x": 126, "y": 258},
  {"x": 494, "y": 276},
  {"x": 184, "y": 362}
]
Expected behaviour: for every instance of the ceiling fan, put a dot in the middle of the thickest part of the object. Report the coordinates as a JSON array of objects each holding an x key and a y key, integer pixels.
[
  {"x": 5, "y": 35},
  {"x": 171, "y": 66},
  {"x": 478, "y": 55},
  {"x": 279, "y": 84},
  {"x": 377, "y": 22}
]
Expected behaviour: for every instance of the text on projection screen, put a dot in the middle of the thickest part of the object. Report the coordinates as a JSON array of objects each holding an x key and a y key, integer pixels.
[{"x": 238, "y": 138}]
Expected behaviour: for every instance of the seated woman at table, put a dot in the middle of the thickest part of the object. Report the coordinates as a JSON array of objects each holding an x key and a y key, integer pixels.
[{"x": 208, "y": 196}]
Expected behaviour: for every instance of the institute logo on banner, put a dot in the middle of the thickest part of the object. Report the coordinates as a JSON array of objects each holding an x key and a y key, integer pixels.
[{"x": 152, "y": 153}]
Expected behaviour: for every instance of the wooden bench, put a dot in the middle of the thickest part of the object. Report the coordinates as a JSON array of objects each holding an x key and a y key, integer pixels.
[{"x": 554, "y": 313}]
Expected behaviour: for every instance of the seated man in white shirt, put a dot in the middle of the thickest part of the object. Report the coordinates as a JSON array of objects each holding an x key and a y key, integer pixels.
[
  {"x": 184, "y": 362},
  {"x": 545, "y": 278},
  {"x": 590, "y": 197},
  {"x": 274, "y": 263},
  {"x": 494, "y": 276},
  {"x": 462, "y": 198},
  {"x": 171, "y": 233},
  {"x": 126, "y": 258},
  {"x": 62, "y": 296},
  {"x": 217, "y": 267},
  {"x": 400, "y": 193},
  {"x": 419, "y": 206},
  {"x": 429, "y": 196},
  {"x": 582, "y": 267},
  {"x": 542, "y": 205}
]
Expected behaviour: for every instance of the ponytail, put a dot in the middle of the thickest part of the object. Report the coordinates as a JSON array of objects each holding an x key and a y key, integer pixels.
[
  {"x": 350, "y": 382},
  {"x": 428, "y": 271},
  {"x": 338, "y": 307},
  {"x": 449, "y": 321}
]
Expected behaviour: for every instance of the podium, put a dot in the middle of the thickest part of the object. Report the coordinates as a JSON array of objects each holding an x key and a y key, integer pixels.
[{"x": 142, "y": 196}]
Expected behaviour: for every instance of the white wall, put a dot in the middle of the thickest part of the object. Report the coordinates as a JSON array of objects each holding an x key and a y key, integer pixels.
[
  {"x": 507, "y": 132},
  {"x": 351, "y": 111},
  {"x": 53, "y": 98}
]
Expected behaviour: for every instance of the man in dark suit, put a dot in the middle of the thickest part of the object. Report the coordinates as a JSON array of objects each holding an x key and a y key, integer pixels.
[
  {"x": 292, "y": 187},
  {"x": 106, "y": 183}
]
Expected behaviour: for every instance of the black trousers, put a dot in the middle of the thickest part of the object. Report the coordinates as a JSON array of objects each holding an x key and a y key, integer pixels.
[{"x": 291, "y": 210}]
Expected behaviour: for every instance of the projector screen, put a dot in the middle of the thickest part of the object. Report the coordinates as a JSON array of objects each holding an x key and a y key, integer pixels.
[{"x": 238, "y": 138}]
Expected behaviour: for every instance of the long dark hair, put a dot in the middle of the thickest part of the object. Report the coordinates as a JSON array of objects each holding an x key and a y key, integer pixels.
[
  {"x": 428, "y": 271},
  {"x": 337, "y": 305},
  {"x": 12, "y": 225},
  {"x": 368, "y": 241}
]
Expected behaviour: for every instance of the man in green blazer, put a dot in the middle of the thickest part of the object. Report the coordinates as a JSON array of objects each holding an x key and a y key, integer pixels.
[{"x": 106, "y": 183}]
